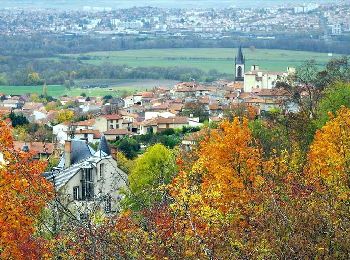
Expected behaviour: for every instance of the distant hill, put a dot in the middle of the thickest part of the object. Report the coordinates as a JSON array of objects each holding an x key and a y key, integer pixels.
[{"x": 69, "y": 4}]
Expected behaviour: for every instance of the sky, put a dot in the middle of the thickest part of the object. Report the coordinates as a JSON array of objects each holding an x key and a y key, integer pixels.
[{"x": 77, "y": 4}]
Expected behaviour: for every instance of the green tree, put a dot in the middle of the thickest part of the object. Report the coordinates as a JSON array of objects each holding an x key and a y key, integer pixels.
[
  {"x": 152, "y": 171},
  {"x": 334, "y": 98},
  {"x": 34, "y": 78},
  {"x": 3, "y": 79},
  {"x": 18, "y": 120},
  {"x": 129, "y": 147}
]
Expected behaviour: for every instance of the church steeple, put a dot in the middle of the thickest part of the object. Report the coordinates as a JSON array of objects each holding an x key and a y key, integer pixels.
[{"x": 239, "y": 65}]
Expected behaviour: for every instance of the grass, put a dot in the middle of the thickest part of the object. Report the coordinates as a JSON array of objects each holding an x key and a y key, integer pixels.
[
  {"x": 53, "y": 90},
  {"x": 221, "y": 59},
  {"x": 117, "y": 89}
]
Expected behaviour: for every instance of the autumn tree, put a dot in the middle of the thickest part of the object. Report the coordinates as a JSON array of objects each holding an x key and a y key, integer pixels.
[
  {"x": 214, "y": 200},
  {"x": 64, "y": 116},
  {"x": 23, "y": 195},
  {"x": 328, "y": 172}
]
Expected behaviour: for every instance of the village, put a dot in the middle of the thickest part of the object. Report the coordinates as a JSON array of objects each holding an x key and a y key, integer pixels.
[
  {"x": 186, "y": 104},
  {"x": 81, "y": 137}
]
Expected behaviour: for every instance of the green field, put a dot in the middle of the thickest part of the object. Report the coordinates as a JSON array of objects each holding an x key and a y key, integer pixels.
[
  {"x": 53, "y": 90},
  {"x": 221, "y": 59},
  {"x": 115, "y": 90}
]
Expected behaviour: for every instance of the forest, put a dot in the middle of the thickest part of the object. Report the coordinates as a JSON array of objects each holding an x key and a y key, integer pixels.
[{"x": 253, "y": 187}]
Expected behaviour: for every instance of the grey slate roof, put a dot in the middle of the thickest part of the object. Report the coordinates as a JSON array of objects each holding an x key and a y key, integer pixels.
[
  {"x": 82, "y": 157},
  {"x": 104, "y": 147},
  {"x": 80, "y": 151},
  {"x": 240, "y": 58},
  {"x": 61, "y": 176}
]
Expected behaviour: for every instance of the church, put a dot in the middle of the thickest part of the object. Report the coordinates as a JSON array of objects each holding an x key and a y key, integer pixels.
[
  {"x": 257, "y": 79},
  {"x": 240, "y": 66}
]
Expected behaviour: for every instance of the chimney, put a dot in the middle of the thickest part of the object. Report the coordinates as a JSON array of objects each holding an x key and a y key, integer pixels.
[{"x": 67, "y": 153}]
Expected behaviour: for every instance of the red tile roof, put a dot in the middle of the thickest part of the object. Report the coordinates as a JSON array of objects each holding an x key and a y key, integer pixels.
[
  {"x": 113, "y": 117},
  {"x": 117, "y": 132},
  {"x": 172, "y": 120},
  {"x": 89, "y": 122},
  {"x": 96, "y": 133},
  {"x": 35, "y": 147}
]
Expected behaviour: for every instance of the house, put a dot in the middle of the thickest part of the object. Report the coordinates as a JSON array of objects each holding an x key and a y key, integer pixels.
[
  {"x": 31, "y": 106},
  {"x": 86, "y": 179},
  {"x": 260, "y": 79},
  {"x": 60, "y": 131},
  {"x": 133, "y": 100},
  {"x": 108, "y": 122},
  {"x": 40, "y": 150},
  {"x": 86, "y": 124},
  {"x": 11, "y": 103},
  {"x": 160, "y": 124},
  {"x": 88, "y": 135},
  {"x": 116, "y": 134},
  {"x": 191, "y": 140}
]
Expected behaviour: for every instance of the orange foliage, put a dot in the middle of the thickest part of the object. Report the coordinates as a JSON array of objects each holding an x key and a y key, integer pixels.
[
  {"x": 229, "y": 167},
  {"x": 23, "y": 195},
  {"x": 214, "y": 199}
]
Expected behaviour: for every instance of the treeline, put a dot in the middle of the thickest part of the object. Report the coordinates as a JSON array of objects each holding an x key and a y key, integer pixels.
[
  {"x": 50, "y": 45},
  {"x": 18, "y": 71}
]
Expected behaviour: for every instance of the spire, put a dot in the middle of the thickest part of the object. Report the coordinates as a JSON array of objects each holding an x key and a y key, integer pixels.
[
  {"x": 104, "y": 147},
  {"x": 240, "y": 57}
]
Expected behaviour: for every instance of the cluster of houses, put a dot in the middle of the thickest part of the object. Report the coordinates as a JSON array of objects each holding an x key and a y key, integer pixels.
[{"x": 85, "y": 175}]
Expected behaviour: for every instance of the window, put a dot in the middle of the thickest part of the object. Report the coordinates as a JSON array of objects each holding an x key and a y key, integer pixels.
[
  {"x": 76, "y": 193},
  {"x": 108, "y": 204},
  {"x": 84, "y": 216},
  {"x": 239, "y": 72},
  {"x": 87, "y": 183},
  {"x": 102, "y": 171}
]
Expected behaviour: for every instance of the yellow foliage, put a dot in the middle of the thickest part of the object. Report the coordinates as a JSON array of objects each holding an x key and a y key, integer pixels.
[
  {"x": 329, "y": 156},
  {"x": 65, "y": 116}
]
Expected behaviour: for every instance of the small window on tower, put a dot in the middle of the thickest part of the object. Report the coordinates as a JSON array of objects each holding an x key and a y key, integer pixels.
[{"x": 239, "y": 72}]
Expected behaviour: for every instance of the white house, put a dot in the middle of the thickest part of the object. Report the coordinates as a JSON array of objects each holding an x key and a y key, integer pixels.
[
  {"x": 261, "y": 79},
  {"x": 60, "y": 131},
  {"x": 133, "y": 100},
  {"x": 86, "y": 179}
]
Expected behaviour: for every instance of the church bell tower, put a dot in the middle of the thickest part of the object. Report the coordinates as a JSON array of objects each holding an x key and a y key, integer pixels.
[{"x": 239, "y": 65}]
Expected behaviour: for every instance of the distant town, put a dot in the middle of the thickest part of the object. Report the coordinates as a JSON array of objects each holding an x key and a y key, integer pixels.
[{"x": 315, "y": 20}]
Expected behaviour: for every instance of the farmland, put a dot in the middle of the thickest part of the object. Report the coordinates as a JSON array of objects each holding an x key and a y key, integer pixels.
[
  {"x": 220, "y": 59},
  {"x": 116, "y": 89}
]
